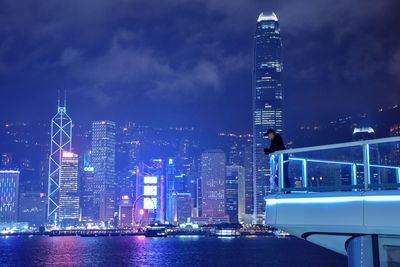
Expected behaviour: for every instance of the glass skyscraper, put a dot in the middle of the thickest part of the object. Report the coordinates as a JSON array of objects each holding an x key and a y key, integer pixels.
[
  {"x": 235, "y": 193},
  {"x": 69, "y": 195},
  {"x": 103, "y": 162},
  {"x": 213, "y": 173},
  {"x": 267, "y": 101},
  {"x": 9, "y": 187}
]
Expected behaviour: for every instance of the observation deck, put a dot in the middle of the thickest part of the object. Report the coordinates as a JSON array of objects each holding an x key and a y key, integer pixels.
[{"x": 344, "y": 197}]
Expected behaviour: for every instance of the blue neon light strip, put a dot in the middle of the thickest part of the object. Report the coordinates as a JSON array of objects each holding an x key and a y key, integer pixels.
[
  {"x": 342, "y": 163},
  {"x": 332, "y": 200}
]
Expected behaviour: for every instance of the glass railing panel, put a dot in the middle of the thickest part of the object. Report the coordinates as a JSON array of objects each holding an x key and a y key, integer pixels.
[{"x": 384, "y": 165}]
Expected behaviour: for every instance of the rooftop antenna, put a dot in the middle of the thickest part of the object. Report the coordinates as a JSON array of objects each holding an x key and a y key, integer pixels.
[
  {"x": 65, "y": 98},
  {"x": 58, "y": 98}
]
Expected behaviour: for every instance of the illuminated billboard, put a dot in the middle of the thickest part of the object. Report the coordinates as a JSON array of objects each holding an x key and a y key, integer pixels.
[
  {"x": 150, "y": 179},
  {"x": 150, "y": 203},
  {"x": 150, "y": 190}
]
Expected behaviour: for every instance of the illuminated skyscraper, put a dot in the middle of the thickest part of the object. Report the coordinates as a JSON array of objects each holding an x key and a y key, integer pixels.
[
  {"x": 87, "y": 194},
  {"x": 267, "y": 101},
  {"x": 150, "y": 193},
  {"x": 61, "y": 140},
  {"x": 235, "y": 193},
  {"x": 170, "y": 187},
  {"x": 69, "y": 196},
  {"x": 103, "y": 162},
  {"x": 9, "y": 185},
  {"x": 213, "y": 170}
]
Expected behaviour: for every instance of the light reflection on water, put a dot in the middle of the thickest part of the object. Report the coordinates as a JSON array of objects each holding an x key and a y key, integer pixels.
[{"x": 166, "y": 251}]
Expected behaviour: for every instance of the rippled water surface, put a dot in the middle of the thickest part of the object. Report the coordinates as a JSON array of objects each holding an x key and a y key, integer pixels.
[{"x": 169, "y": 251}]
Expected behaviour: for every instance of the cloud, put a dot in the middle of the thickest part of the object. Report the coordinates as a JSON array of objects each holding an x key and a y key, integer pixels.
[
  {"x": 184, "y": 52},
  {"x": 128, "y": 64}
]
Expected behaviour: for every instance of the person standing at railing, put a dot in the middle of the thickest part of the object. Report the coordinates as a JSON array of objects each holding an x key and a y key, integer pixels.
[{"x": 277, "y": 145}]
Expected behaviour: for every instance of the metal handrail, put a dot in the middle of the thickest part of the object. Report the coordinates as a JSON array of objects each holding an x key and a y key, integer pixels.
[
  {"x": 365, "y": 145},
  {"x": 339, "y": 145}
]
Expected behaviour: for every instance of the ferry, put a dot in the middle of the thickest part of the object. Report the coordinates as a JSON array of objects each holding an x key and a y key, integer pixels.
[
  {"x": 226, "y": 233},
  {"x": 155, "y": 231}
]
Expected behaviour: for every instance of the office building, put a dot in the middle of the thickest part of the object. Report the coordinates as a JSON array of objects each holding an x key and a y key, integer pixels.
[
  {"x": 125, "y": 212},
  {"x": 61, "y": 140},
  {"x": 181, "y": 208},
  {"x": 9, "y": 188},
  {"x": 213, "y": 170},
  {"x": 150, "y": 193},
  {"x": 69, "y": 194},
  {"x": 267, "y": 101},
  {"x": 32, "y": 208},
  {"x": 235, "y": 200},
  {"x": 103, "y": 163}
]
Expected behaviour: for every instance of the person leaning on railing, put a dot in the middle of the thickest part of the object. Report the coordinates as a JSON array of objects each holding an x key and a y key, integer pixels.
[{"x": 277, "y": 145}]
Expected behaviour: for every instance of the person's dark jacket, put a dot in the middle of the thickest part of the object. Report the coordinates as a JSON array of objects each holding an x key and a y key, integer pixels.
[{"x": 276, "y": 145}]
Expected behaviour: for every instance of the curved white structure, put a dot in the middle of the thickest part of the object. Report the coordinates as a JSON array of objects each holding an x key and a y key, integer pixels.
[{"x": 360, "y": 219}]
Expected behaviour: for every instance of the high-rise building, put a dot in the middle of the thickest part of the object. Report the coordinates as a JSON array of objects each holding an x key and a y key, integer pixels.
[
  {"x": 69, "y": 194},
  {"x": 169, "y": 187},
  {"x": 235, "y": 193},
  {"x": 213, "y": 170},
  {"x": 125, "y": 212},
  {"x": 61, "y": 140},
  {"x": 103, "y": 162},
  {"x": 87, "y": 187},
  {"x": 248, "y": 167},
  {"x": 32, "y": 208},
  {"x": 267, "y": 101},
  {"x": 181, "y": 208},
  {"x": 150, "y": 193},
  {"x": 9, "y": 187}
]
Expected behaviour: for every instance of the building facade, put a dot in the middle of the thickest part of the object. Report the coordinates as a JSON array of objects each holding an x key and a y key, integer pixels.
[
  {"x": 213, "y": 170},
  {"x": 103, "y": 162},
  {"x": 235, "y": 200},
  {"x": 267, "y": 101},
  {"x": 69, "y": 193},
  {"x": 149, "y": 205},
  {"x": 9, "y": 188},
  {"x": 61, "y": 140},
  {"x": 181, "y": 208},
  {"x": 32, "y": 208}
]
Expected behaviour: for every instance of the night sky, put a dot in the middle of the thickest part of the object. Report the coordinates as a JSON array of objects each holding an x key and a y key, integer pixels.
[{"x": 176, "y": 62}]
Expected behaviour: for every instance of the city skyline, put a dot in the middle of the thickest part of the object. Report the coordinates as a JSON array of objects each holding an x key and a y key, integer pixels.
[{"x": 242, "y": 131}]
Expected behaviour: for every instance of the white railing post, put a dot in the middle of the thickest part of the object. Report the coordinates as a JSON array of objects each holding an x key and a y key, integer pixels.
[
  {"x": 280, "y": 172},
  {"x": 398, "y": 175},
  {"x": 273, "y": 187},
  {"x": 354, "y": 174},
  {"x": 367, "y": 174},
  {"x": 304, "y": 172}
]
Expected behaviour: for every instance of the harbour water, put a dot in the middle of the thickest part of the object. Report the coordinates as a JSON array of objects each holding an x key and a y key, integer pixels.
[{"x": 167, "y": 251}]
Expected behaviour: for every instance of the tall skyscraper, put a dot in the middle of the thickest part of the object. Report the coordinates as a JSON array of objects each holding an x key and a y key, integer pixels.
[
  {"x": 61, "y": 140},
  {"x": 213, "y": 170},
  {"x": 169, "y": 186},
  {"x": 235, "y": 193},
  {"x": 267, "y": 101},
  {"x": 103, "y": 162},
  {"x": 248, "y": 167},
  {"x": 69, "y": 195},
  {"x": 87, "y": 184},
  {"x": 9, "y": 187}
]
